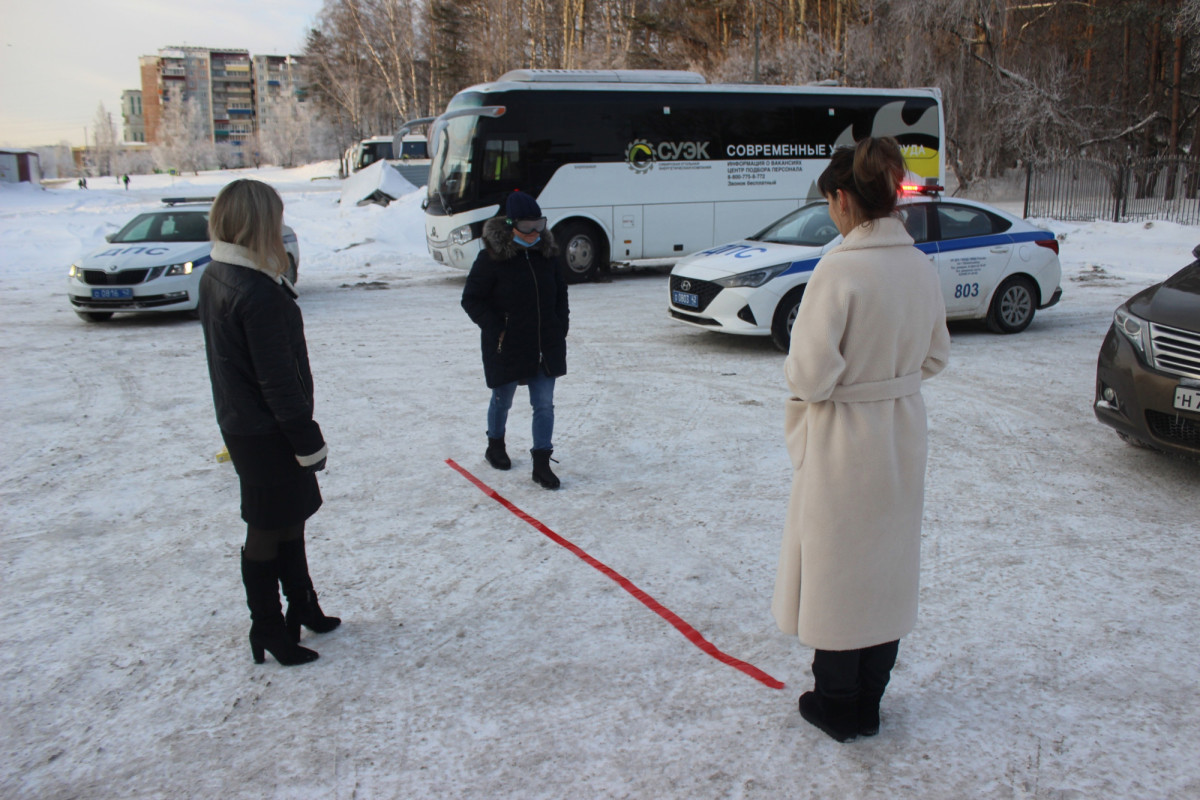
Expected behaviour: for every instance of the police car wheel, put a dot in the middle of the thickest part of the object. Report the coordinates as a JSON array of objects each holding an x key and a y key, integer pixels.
[
  {"x": 1012, "y": 306},
  {"x": 95, "y": 316},
  {"x": 785, "y": 317}
]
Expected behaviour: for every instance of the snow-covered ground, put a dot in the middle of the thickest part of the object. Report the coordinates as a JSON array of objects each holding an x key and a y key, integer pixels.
[{"x": 1056, "y": 654}]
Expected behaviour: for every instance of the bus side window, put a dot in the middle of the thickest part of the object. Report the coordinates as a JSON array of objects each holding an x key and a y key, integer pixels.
[{"x": 501, "y": 159}]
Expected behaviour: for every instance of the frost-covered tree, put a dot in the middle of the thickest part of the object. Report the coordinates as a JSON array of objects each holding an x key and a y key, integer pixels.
[
  {"x": 104, "y": 142},
  {"x": 186, "y": 143}
]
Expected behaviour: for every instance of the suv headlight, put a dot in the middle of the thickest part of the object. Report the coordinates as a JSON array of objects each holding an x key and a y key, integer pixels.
[
  {"x": 1135, "y": 330},
  {"x": 179, "y": 269},
  {"x": 755, "y": 277},
  {"x": 461, "y": 235}
]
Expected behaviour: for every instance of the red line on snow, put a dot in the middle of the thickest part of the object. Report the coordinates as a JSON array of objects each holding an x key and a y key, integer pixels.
[{"x": 687, "y": 630}]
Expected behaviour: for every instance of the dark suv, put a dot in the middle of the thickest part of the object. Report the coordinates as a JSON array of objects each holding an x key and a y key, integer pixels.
[{"x": 1148, "y": 374}]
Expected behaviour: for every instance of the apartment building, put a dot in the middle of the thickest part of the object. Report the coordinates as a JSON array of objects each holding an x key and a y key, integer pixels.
[
  {"x": 134, "y": 127},
  {"x": 232, "y": 89}
]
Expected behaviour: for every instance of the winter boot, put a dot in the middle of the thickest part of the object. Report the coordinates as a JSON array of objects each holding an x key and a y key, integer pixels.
[
  {"x": 837, "y": 717},
  {"x": 868, "y": 712},
  {"x": 267, "y": 628},
  {"x": 303, "y": 608},
  {"x": 541, "y": 469},
  {"x": 496, "y": 455}
]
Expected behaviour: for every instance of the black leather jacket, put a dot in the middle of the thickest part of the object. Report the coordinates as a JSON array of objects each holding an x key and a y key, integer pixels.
[{"x": 257, "y": 357}]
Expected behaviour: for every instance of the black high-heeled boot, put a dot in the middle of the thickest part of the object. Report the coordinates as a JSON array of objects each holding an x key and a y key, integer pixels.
[
  {"x": 267, "y": 629},
  {"x": 303, "y": 608}
]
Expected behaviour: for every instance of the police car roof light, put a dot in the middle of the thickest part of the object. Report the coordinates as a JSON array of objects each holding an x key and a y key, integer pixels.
[
  {"x": 912, "y": 188},
  {"x": 170, "y": 201}
]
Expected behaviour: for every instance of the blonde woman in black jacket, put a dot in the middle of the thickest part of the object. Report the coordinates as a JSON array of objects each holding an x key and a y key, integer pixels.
[{"x": 263, "y": 393}]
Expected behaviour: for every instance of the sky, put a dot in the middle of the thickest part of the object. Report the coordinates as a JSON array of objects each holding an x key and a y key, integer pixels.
[{"x": 60, "y": 59}]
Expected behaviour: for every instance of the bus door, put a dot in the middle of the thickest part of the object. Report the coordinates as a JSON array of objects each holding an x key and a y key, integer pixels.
[{"x": 627, "y": 232}]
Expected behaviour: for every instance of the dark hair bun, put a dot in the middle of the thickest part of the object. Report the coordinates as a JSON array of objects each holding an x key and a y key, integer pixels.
[{"x": 871, "y": 172}]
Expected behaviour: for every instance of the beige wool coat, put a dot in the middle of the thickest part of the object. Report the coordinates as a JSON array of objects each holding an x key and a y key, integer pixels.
[{"x": 871, "y": 327}]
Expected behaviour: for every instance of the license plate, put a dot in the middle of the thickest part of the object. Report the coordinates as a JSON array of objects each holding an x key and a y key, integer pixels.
[
  {"x": 112, "y": 294},
  {"x": 685, "y": 299},
  {"x": 1187, "y": 399}
]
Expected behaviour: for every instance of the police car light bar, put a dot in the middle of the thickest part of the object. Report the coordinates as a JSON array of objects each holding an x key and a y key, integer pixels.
[
  {"x": 912, "y": 188},
  {"x": 170, "y": 201}
]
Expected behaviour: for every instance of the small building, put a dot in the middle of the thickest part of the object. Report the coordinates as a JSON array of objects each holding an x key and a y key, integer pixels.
[{"x": 20, "y": 166}]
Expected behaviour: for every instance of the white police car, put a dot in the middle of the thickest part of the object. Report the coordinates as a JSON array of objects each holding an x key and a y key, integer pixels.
[
  {"x": 154, "y": 263},
  {"x": 993, "y": 266}
]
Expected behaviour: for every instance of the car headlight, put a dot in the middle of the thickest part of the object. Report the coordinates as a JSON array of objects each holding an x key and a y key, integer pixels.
[
  {"x": 461, "y": 235},
  {"x": 179, "y": 269},
  {"x": 75, "y": 272},
  {"x": 1135, "y": 330},
  {"x": 754, "y": 278}
]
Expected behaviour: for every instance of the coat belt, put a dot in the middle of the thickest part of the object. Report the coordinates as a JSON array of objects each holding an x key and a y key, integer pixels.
[{"x": 873, "y": 391}]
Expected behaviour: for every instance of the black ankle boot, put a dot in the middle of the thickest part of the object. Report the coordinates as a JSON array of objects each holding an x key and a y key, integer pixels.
[
  {"x": 836, "y": 717},
  {"x": 267, "y": 628},
  {"x": 542, "y": 473},
  {"x": 496, "y": 455},
  {"x": 303, "y": 608}
]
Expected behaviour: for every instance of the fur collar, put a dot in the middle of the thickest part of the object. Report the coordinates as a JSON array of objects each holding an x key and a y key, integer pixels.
[
  {"x": 239, "y": 256},
  {"x": 497, "y": 239}
]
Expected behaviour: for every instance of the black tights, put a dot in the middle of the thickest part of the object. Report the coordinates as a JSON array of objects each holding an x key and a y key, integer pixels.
[
  {"x": 263, "y": 544},
  {"x": 846, "y": 673}
]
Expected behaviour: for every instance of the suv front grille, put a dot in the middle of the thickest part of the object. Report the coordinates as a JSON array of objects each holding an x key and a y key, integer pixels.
[
  {"x": 705, "y": 290},
  {"x": 1175, "y": 350},
  {"x": 1173, "y": 428}
]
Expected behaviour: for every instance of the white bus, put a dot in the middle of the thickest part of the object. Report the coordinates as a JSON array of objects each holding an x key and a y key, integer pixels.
[
  {"x": 377, "y": 148},
  {"x": 644, "y": 167}
]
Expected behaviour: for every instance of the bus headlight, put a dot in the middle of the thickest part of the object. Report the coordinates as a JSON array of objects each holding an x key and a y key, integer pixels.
[
  {"x": 754, "y": 278},
  {"x": 179, "y": 269},
  {"x": 461, "y": 235}
]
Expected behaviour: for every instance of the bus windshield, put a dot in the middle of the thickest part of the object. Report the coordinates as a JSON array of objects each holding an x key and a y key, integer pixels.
[
  {"x": 809, "y": 226},
  {"x": 452, "y": 143}
]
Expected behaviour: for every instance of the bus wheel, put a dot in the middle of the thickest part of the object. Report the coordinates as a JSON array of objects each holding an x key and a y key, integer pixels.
[
  {"x": 582, "y": 248},
  {"x": 785, "y": 318},
  {"x": 292, "y": 273}
]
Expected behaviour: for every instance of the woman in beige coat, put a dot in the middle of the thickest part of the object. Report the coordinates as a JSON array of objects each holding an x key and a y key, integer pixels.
[{"x": 871, "y": 326}]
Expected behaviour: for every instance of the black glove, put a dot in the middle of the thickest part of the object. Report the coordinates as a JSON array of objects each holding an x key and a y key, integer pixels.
[{"x": 317, "y": 467}]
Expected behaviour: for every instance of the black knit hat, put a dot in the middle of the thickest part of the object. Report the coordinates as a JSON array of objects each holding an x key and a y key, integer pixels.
[{"x": 521, "y": 206}]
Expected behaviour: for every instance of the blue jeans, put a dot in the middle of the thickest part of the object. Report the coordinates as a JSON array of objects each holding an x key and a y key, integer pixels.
[{"x": 541, "y": 397}]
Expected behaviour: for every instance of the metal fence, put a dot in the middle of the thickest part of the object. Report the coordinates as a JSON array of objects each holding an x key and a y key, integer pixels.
[{"x": 1141, "y": 188}]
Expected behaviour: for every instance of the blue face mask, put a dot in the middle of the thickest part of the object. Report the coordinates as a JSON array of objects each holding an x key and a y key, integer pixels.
[{"x": 524, "y": 243}]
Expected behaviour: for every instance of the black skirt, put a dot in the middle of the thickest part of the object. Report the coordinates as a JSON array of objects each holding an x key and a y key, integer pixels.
[{"x": 276, "y": 491}]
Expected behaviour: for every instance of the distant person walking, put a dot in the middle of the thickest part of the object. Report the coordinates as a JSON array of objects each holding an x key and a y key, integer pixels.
[
  {"x": 517, "y": 294},
  {"x": 82, "y": 182},
  {"x": 263, "y": 393},
  {"x": 871, "y": 327},
  {"x": 125, "y": 180}
]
